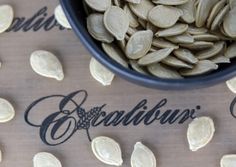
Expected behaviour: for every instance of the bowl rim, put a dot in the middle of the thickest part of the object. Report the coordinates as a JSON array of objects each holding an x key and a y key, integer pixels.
[{"x": 133, "y": 76}]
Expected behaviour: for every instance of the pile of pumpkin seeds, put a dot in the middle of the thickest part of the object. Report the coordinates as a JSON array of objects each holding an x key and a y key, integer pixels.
[{"x": 165, "y": 38}]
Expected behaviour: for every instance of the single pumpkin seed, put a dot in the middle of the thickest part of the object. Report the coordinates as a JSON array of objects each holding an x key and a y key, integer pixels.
[
  {"x": 155, "y": 57},
  {"x": 43, "y": 159},
  {"x": 134, "y": 1},
  {"x": 206, "y": 37},
  {"x": 46, "y": 64},
  {"x": 97, "y": 29},
  {"x": 188, "y": 11},
  {"x": 100, "y": 73},
  {"x": 228, "y": 160},
  {"x": 181, "y": 39},
  {"x": 200, "y": 132},
  {"x": 232, "y": 84},
  {"x": 229, "y": 23},
  {"x": 107, "y": 150},
  {"x": 196, "y": 31},
  {"x": 170, "y": 2},
  {"x": 142, "y": 156},
  {"x": 185, "y": 55},
  {"x": 118, "y": 26},
  {"x": 162, "y": 71},
  {"x": 100, "y": 6},
  {"x": 164, "y": 16},
  {"x": 162, "y": 43},
  {"x": 198, "y": 45},
  {"x": 177, "y": 29},
  {"x": 142, "y": 9},
  {"x": 115, "y": 53},
  {"x": 139, "y": 44},
  {"x": 202, "y": 67},
  {"x": 211, "y": 52},
  {"x": 7, "y": 111},
  {"x": 231, "y": 51},
  {"x": 220, "y": 59},
  {"x": 175, "y": 63},
  {"x": 6, "y": 17}
]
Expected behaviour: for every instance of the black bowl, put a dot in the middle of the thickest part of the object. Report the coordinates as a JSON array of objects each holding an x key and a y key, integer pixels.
[{"x": 77, "y": 18}]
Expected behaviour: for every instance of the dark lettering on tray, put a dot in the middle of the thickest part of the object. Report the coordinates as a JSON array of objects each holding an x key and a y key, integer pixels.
[
  {"x": 40, "y": 20},
  {"x": 61, "y": 124}
]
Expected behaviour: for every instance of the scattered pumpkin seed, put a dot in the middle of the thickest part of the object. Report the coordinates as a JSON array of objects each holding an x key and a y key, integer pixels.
[
  {"x": 6, "y": 17},
  {"x": 43, "y": 158}
]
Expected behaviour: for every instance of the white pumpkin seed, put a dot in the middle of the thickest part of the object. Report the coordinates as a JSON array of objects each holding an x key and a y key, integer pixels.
[
  {"x": 155, "y": 57},
  {"x": 142, "y": 156},
  {"x": 200, "y": 132},
  {"x": 142, "y": 9},
  {"x": 115, "y": 53},
  {"x": 175, "y": 63},
  {"x": 219, "y": 17},
  {"x": 134, "y": 1},
  {"x": 214, "y": 50},
  {"x": 100, "y": 73},
  {"x": 228, "y": 160},
  {"x": 118, "y": 26},
  {"x": 43, "y": 159},
  {"x": 231, "y": 51},
  {"x": 0, "y": 156},
  {"x": 97, "y": 29},
  {"x": 188, "y": 11},
  {"x": 196, "y": 31},
  {"x": 230, "y": 23},
  {"x": 164, "y": 16},
  {"x": 172, "y": 31},
  {"x": 232, "y": 84},
  {"x": 216, "y": 9},
  {"x": 107, "y": 150},
  {"x": 202, "y": 67},
  {"x": 7, "y": 111},
  {"x": 181, "y": 39},
  {"x": 206, "y": 37},
  {"x": 197, "y": 45},
  {"x": 220, "y": 59},
  {"x": 162, "y": 71},
  {"x": 61, "y": 17},
  {"x": 203, "y": 10},
  {"x": 185, "y": 55},
  {"x": 139, "y": 44},
  {"x": 162, "y": 43},
  {"x": 170, "y": 2},
  {"x": 46, "y": 64},
  {"x": 100, "y": 6},
  {"x": 6, "y": 17}
]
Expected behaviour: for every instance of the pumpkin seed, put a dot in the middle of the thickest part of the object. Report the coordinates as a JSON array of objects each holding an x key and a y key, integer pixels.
[
  {"x": 200, "y": 132},
  {"x": 188, "y": 11},
  {"x": 43, "y": 158},
  {"x": 206, "y": 37},
  {"x": 231, "y": 51},
  {"x": 172, "y": 31},
  {"x": 139, "y": 44},
  {"x": 137, "y": 67},
  {"x": 219, "y": 59},
  {"x": 164, "y": 16},
  {"x": 196, "y": 31},
  {"x": 107, "y": 150},
  {"x": 228, "y": 160},
  {"x": 176, "y": 63},
  {"x": 7, "y": 111},
  {"x": 229, "y": 23},
  {"x": 203, "y": 10},
  {"x": 6, "y": 17},
  {"x": 219, "y": 17},
  {"x": 142, "y": 9},
  {"x": 119, "y": 26},
  {"x": 216, "y": 9},
  {"x": 170, "y": 2},
  {"x": 202, "y": 67},
  {"x": 155, "y": 57},
  {"x": 0, "y": 156},
  {"x": 142, "y": 156},
  {"x": 214, "y": 50},
  {"x": 198, "y": 45},
  {"x": 185, "y": 55},
  {"x": 162, "y": 71},
  {"x": 162, "y": 43},
  {"x": 97, "y": 29},
  {"x": 100, "y": 6},
  {"x": 232, "y": 84},
  {"x": 134, "y": 1},
  {"x": 100, "y": 73},
  {"x": 181, "y": 39},
  {"x": 132, "y": 18},
  {"x": 115, "y": 53},
  {"x": 46, "y": 64}
]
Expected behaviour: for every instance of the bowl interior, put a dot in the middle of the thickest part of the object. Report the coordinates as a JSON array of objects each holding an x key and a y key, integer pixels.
[{"x": 77, "y": 17}]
